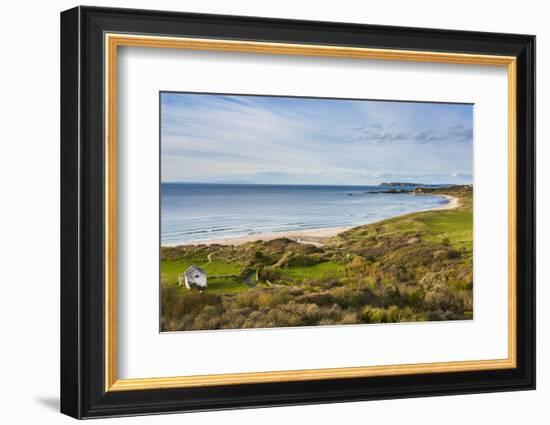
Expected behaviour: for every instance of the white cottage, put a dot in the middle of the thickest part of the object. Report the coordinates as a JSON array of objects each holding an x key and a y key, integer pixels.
[{"x": 194, "y": 276}]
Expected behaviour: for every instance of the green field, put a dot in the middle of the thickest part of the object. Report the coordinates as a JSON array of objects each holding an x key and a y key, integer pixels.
[
  {"x": 224, "y": 285},
  {"x": 316, "y": 271},
  {"x": 170, "y": 269},
  {"x": 433, "y": 226},
  {"x": 414, "y": 267}
]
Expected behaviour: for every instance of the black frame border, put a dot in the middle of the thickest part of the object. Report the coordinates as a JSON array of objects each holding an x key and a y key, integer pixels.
[{"x": 82, "y": 212}]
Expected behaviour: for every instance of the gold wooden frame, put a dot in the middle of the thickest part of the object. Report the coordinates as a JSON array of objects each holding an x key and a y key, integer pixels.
[{"x": 113, "y": 41}]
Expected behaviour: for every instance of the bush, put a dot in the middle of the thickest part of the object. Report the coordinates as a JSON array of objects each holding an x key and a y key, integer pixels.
[
  {"x": 301, "y": 261},
  {"x": 246, "y": 299},
  {"x": 351, "y": 298},
  {"x": 388, "y": 294},
  {"x": 440, "y": 254},
  {"x": 349, "y": 317},
  {"x": 269, "y": 273},
  {"x": 271, "y": 299},
  {"x": 392, "y": 314},
  {"x": 374, "y": 315},
  {"x": 318, "y": 298},
  {"x": 178, "y": 302}
]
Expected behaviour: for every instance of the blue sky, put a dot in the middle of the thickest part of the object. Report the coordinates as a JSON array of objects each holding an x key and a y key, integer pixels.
[{"x": 285, "y": 140}]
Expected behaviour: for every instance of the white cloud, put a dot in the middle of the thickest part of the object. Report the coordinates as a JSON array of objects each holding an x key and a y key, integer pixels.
[{"x": 218, "y": 138}]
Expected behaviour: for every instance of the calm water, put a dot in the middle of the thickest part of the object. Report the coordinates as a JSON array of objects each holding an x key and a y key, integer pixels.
[{"x": 192, "y": 212}]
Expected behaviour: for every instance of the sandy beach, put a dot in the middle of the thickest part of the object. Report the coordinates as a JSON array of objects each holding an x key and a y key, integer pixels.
[
  {"x": 315, "y": 237},
  {"x": 451, "y": 205},
  {"x": 310, "y": 236}
]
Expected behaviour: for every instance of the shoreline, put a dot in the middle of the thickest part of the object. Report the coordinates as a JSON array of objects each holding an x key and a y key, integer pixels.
[
  {"x": 452, "y": 203},
  {"x": 316, "y": 237}
]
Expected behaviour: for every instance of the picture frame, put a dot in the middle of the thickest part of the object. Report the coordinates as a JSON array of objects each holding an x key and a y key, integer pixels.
[{"x": 91, "y": 38}]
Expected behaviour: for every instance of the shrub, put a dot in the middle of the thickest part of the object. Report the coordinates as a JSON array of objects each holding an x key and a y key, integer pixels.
[
  {"x": 271, "y": 299},
  {"x": 247, "y": 299},
  {"x": 441, "y": 254},
  {"x": 349, "y": 317},
  {"x": 301, "y": 261},
  {"x": 373, "y": 315},
  {"x": 354, "y": 298},
  {"x": 177, "y": 302},
  {"x": 269, "y": 273},
  {"x": 329, "y": 283},
  {"x": 389, "y": 294},
  {"x": 334, "y": 313},
  {"x": 318, "y": 298}
]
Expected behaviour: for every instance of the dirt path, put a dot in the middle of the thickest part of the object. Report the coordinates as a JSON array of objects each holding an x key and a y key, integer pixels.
[{"x": 249, "y": 278}]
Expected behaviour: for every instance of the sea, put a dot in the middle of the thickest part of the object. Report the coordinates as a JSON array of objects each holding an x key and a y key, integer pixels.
[{"x": 197, "y": 212}]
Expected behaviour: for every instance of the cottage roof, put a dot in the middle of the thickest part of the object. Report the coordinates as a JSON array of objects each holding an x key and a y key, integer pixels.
[{"x": 194, "y": 268}]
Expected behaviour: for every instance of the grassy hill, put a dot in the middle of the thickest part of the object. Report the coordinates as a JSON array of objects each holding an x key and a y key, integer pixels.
[{"x": 416, "y": 267}]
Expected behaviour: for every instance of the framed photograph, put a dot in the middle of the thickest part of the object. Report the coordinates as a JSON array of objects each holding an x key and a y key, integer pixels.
[{"x": 261, "y": 212}]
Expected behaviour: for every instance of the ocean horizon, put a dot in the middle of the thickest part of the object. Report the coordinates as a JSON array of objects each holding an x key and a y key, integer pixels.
[{"x": 199, "y": 212}]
